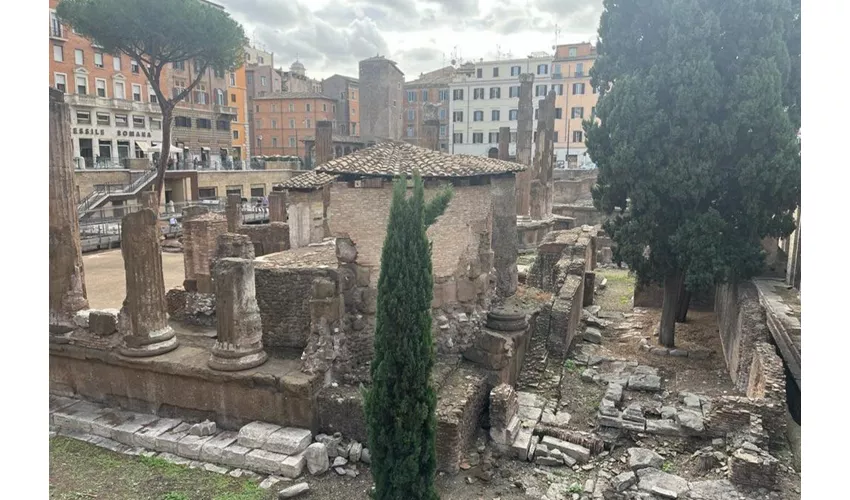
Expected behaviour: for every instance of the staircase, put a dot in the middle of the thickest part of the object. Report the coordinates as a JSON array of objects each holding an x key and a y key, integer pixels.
[{"x": 99, "y": 198}]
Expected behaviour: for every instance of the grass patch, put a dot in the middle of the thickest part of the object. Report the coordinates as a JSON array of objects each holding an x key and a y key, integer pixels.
[
  {"x": 570, "y": 366},
  {"x": 668, "y": 467}
]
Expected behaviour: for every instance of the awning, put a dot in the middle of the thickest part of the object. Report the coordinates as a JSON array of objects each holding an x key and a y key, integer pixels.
[
  {"x": 158, "y": 148},
  {"x": 204, "y": 148},
  {"x": 143, "y": 145}
]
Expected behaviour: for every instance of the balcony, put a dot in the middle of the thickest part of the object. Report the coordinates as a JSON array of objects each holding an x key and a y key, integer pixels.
[
  {"x": 146, "y": 107},
  {"x": 57, "y": 32},
  {"x": 122, "y": 104},
  {"x": 81, "y": 100},
  {"x": 225, "y": 110}
]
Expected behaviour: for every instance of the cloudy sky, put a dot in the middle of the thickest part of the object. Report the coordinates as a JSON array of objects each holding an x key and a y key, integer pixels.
[{"x": 330, "y": 36}]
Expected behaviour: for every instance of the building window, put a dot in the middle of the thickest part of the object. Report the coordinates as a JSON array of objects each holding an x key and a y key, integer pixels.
[
  {"x": 309, "y": 107},
  {"x": 409, "y": 131},
  {"x": 457, "y": 95},
  {"x": 292, "y": 142},
  {"x": 442, "y": 130},
  {"x": 181, "y": 65},
  {"x": 232, "y": 97},
  {"x": 495, "y": 92},
  {"x": 207, "y": 193},
  {"x": 137, "y": 92},
  {"x": 411, "y": 114},
  {"x": 513, "y": 91},
  {"x": 512, "y": 114},
  {"x": 457, "y": 138},
  {"x": 513, "y": 136},
  {"x": 444, "y": 95},
  {"x": 274, "y": 142},
  {"x": 477, "y": 137},
  {"x": 78, "y": 56},
  {"x": 83, "y": 118},
  {"x": 572, "y": 52},
  {"x": 309, "y": 123},
  {"x": 478, "y": 116},
  {"x": 236, "y": 134},
  {"x": 100, "y": 87},
  {"x": 55, "y": 26},
  {"x": 121, "y": 121},
  {"x": 218, "y": 73},
  {"x": 274, "y": 124},
  {"x": 61, "y": 83},
  {"x": 220, "y": 97},
  {"x": 259, "y": 123},
  {"x": 203, "y": 123},
  {"x": 411, "y": 96},
  {"x": 593, "y": 89},
  {"x": 58, "y": 55},
  {"x": 495, "y": 72},
  {"x": 291, "y": 107},
  {"x": 537, "y": 113},
  {"x": 222, "y": 124},
  {"x": 540, "y": 91},
  {"x": 116, "y": 63},
  {"x": 118, "y": 91},
  {"x": 579, "y": 70},
  {"x": 515, "y": 70},
  {"x": 249, "y": 77},
  {"x": 424, "y": 95},
  {"x": 138, "y": 121},
  {"x": 577, "y": 136},
  {"x": 156, "y": 124},
  {"x": 558, "y": 113},
  {"x": 478, "y": 93},
  {"x": 103, "y": 119},
  {"x": 232, "y": 79},
  {"x": 542, "y": 69},
  {"x": 291, "y": 123},
  {"x": 556, "y": 69},
  {"x": 578, "y": 89},
  {"x": 262, "y": 81},
  {"x": 493, "y": 137},
  {"x": 442, "y": 114},
  {"x": 494, "y": 115},
  {"x": 237, "y": 190},
  {"x": 258, "y": 192},
  {"x": 182, "y": 121},
  {"x": 98, "y": 59},
  {"x": 201, "y": 95},
  {"x": 556, "y": 136},
  {"x": 82, "y": 85},
  {"x": 457, "y": 116},
  {"x": 152, "y": 95},
  {"x": 593, "y": 112},
  {"x": 324, "y": 107},
  {"x": 577, "y": 112},
  {"x": 479, "y": 73}
]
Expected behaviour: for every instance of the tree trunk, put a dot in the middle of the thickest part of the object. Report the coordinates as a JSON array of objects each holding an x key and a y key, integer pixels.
[
  {"x": 164, "y": 153},
  {"x": 672, "y": 287},
  {"x": 684, "y": 304}
]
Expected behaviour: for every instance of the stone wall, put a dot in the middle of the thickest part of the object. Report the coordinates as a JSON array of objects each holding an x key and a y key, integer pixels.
[
  {"x": 572, "y": 190},
  {"x": 584, "y": 214},
  {"x": 742, "y": 323},
  {"x": 306, "y": 212},
  {"x": 267, "y": 238}
]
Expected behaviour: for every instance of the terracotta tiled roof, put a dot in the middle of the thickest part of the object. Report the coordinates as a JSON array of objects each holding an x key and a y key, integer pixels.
[
  {"x": 293, "y": 95},
  {"x": 308, "y": 180},
  {"x": 347, "y": 139},
  {"x": 392, "y": 158}
]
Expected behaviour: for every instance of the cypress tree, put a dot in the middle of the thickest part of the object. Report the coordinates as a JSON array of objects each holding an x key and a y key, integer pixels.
[{"x": 400, "y": 403}]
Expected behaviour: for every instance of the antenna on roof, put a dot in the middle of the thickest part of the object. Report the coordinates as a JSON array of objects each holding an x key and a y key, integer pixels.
[
  {"x": 498, "y": 52},
  {"x": 557, "y": 32}
]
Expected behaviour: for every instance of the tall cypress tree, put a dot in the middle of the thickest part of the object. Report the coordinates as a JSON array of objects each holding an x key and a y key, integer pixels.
[
  {"x": 400, "y": 403},
  {"x": 696, "y": 139}
]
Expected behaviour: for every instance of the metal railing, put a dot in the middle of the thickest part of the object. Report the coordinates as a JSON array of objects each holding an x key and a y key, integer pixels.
[{"x": 101, "y": 194}]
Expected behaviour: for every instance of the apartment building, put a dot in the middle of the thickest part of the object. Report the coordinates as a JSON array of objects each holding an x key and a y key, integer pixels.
[
  {"x": 115, "y": 117},
  {"x": 345, "y": 90},
  {"x": 433, "y": 88},
  {"x": 571, "y": 69},
  {"x": 381, "y": 99},
  {"x": 283, "y": 120},
  {"x": 485, "y": 96},
  {"x": 238, "y": 90}
]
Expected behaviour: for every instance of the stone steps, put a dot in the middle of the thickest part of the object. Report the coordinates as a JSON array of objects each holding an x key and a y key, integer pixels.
[{"x": 258, "y": 446}]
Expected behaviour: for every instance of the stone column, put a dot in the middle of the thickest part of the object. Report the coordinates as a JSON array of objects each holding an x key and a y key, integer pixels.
[
  {"x": 542, "y": 166},
  {"x": 148, "y": 199},
  {"x": 504, "y": 143},
  {"x": 233, "y": 209},
  {"x": 67, "y": 287},
  {"x": 505, "y": 240},
  {"x": 200, "y": 236},
  {"x": 324, "y": 143},
  {"x": 277, "y": 206},
  {"x": 525, "y": 115},
  {"x": 147, "y": 332},
  {"x": 239, "y": 345}
]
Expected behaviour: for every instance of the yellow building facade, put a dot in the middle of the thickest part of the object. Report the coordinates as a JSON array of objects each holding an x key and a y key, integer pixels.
[{"x": 576, "y": 99}]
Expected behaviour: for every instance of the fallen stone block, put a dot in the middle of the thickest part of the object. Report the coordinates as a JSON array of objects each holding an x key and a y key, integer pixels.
[
  {"x": 752, "y": 466},
  {"x": 607, "y": 408},
  {"x": 167, "y": 441},
  {"x": 664, "y": 428},
  {"x": 146, "y": 436},
  {"x": 578, "y": 452},
  {"x": 293, "y": 465},
  {"x": 254, "y": 435},
  {"x": 691, "y": 420},
  {"x": 205, "y": 428},
  {"x": 650, "y": 478},
  {"x": 644, "y": 382},
  {"x": 624, "y": 481},
  {"x": 634, "y": 413},
  {"x": 658, "y": 491},
  {"x": 78, "y": 417},
  {"x": 317, "y": 460},
  {"x": 234, "y": 455},
  {"x": 267, "y": 462},
  {"x": 614, "y": 392},
  {"x": 560, "y": 419},
  {"x": 269, "y": 482},
  {"x": 294, "y": 490},
  {"x": 641, "y": 458},
  {"x": 190, "y": 446},
  {"x": 103, "y": 322},
  {"x": 215, "y": 468},
  {"x": 522, "y": 443},
  {"x": 530, "y": 399},
  {"x": 126, "y": 432},
  {"x": 288, "y": 440},
  {"x": 592, "y": 335},
  {"x": 213, "y": 449},
  {"x": 718, "y": 489},
  {"x": 530, "y": 414}
]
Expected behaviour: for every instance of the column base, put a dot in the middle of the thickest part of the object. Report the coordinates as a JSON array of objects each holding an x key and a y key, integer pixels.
[
  {"x": 60, "y": 334},
  {"x": 235, "y": 359},
  {"x": 155, "y": 344}
]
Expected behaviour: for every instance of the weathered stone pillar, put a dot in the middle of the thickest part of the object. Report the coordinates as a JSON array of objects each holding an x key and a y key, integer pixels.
[
  {"x": 67, "y": 278},
  {"x": 504, "y": 242},
  {"x": 239, "y": 345},
  {"x": 504, "y": 143},
  {"x": 324, "y": 142},
  {"x": 541, "y": 171},
  {"x": 147, "y": 332},
  {"x": 148, "y": 199},
  {"x": 525, "y": 115},
  {"x": 233, "y": 209},
  {"x": 277, "y": 206},
  {"x": 200, "y": 236}
]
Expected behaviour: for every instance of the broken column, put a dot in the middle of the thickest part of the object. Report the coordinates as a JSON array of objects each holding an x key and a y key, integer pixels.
[
  {"x": 431, "y": 128},
  {"x": 324, "y": 142},
  {"x": 239, "y": 345},
  {"x": 504, "y": 143},
  {"x": 199, "y": 246},
  {"x": 233, "y": 209},
  {"x": 525, "y": 115},
  {"x": 541, "y": 174},
  {"x": 147, "y": 332},
  {"x": 277, "y": 206},
  {"x": 67, "y": 287},
  {"x": 505, "y": 241}
]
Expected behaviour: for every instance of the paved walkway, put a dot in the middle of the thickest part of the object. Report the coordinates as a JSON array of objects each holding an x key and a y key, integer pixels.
[{"x": 104, "y": 274}]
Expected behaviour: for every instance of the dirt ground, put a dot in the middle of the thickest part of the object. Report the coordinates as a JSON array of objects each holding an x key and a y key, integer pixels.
[{"x": 105, "y": 276}]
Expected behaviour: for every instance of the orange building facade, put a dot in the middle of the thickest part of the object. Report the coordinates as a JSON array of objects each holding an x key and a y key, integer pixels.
[
  {"x": 571, "y": 68},
  {"x": 238, "y": 98},
  {"x": 283, "y": 120}
]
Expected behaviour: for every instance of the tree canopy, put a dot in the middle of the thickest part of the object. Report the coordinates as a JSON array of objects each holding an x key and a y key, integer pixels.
[
  {"x": 400, "y": 403},
  {"x": 695, "y": 140}
]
